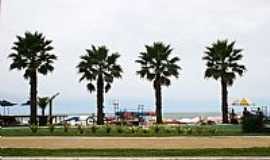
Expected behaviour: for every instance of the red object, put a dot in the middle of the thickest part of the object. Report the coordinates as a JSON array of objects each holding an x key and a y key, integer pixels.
[{"x": 150, "y": 113}]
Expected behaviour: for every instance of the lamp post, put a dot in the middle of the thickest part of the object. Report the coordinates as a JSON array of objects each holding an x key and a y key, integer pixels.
[{"x": 50, "y": 106}]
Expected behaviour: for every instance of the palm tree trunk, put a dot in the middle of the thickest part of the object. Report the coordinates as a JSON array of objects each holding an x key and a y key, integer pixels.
[
  {"x": 33, "y": 98},
  {"x": 158, "y": 97},
  {"x": 100, "y": 99},
  {"x": 43, "y": 112},
  {"x": 224, "y": 102}
]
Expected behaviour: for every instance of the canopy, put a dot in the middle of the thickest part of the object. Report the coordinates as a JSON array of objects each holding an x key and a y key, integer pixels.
[
  {"x": 243, "y": 102},
  {"x": 27, "y": 103},
  {"x": 5, "y": 103}
]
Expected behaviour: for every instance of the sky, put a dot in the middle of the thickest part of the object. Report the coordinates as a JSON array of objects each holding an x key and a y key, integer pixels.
[{"x": 125, "y": 26}]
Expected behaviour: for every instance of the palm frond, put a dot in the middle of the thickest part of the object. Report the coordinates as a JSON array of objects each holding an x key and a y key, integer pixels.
[
  {"x": 97, "y": 62},
  {"x": 91, "y": 88},
  {"x": 31, "y": 53},
  {"x": 222, "y": 61},
  {"x": 156, "y": 62}
]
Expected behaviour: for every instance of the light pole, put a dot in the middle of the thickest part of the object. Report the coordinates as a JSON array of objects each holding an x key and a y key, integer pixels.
[{"x": 50, "y": 106}]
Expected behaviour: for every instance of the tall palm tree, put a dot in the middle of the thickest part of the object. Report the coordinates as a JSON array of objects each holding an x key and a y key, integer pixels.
[
  {"x": 222, "y": 64},
  {"x": 42, "y": 103},
  {"x": 157, "y": 66},
  {"x": 31, "y": 53},
  {"x": 100, "y": 67}
]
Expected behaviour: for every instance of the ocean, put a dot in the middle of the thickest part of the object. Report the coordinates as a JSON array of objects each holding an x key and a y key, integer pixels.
[
  {"x": 174, "y": 115},
  {"x": 179, "y": 115}
]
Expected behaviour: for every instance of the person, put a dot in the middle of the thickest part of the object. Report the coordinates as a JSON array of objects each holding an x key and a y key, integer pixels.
[
  {"x": 259, "y": 112},
  {"x": 260, "y": 116},
  {"x": 246, "y": 112},
  {"x": 233, "y": 117}
]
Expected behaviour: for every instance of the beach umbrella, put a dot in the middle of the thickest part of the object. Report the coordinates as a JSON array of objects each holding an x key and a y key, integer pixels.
[
  {"x": 5, "y": 103},
  {"x": 246, "y": 102},
  {"x": 27, "y": 103},
  {"x": 243, "y": 102}
]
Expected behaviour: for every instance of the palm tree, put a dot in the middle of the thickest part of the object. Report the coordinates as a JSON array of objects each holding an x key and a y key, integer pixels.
[
  {"x": 42, "y": 103},
  {"x": 97, "y": 65},
  {"x": 222, "y": 64},
  {"x": 157, "y": 66},
  {"x": 32, "y": 54}
]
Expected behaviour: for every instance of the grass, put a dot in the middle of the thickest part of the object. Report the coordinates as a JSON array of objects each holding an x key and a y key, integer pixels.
[
  {"x": 117, "y": 131},
  {"x": 135, "y": 152}
]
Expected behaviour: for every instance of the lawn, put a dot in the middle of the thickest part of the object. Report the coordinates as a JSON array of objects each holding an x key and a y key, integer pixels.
[
  {"x": 135, "y": 152},
  {"x": 117, "y": 131}
]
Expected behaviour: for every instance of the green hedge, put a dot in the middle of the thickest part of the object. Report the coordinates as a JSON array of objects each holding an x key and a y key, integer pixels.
[
  {"x": 252, "y": 123},
  {"x": 135, "y": 152},
  {"x": 124, "y": 131}
]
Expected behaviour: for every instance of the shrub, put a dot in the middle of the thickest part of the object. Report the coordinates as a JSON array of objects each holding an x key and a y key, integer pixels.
[
  {"x": 108, "y": 129},
  {"x": 168, "y": 130},
  {"x": 34, "y": 128},
  {"x": 157, "y": 129},
  {"x": 145, "y": 131},
  {"x": 188, "y": 131},
  {"x": 212, "y": 131},
  {"x": 119, "y": 130},
  {"x": 252, "y": 123},
  {"x": 51, "y": 128},
  {"x": 80, "y": 129},
  {"x": 199, "y": 130},
  {"x": 94, "y": 129},
  {"x": 133, "y": 130},
  {"x": 66, "y": 126},
  {"x": 179, "y": 130}
]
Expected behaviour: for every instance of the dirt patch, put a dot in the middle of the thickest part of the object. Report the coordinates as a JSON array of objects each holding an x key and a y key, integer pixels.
[{"x": 144, "y": 143}]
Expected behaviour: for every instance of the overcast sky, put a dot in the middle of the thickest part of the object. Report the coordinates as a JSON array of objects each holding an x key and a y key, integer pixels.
[{"x": 125, "y": 27}]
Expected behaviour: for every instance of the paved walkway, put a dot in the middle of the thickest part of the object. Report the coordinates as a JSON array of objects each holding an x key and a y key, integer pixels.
[
  {"x": 135, "y": 142},
  {"x": 137, "y": 158}
]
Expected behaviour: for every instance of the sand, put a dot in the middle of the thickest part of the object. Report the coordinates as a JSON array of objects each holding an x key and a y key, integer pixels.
[{"x": 136, "y": 142}]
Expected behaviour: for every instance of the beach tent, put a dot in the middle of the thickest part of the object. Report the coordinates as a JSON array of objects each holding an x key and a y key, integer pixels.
[{"x": 5, "y": 103}]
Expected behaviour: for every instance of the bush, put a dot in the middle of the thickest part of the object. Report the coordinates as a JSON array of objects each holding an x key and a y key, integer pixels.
[
  {"x": 168, "y": 130},
  {"x": 119, "y": 130},
  {"x": 212, "y": 131},
  {"x": 133, "y": 130},
  {"x": 108, "y": 129},
  {"x": 34, "y": 128},
  {"x": 199, "y": 130},
  {"x": 145, "y": 131},
  {"x": 94, "y": 129},
  {"x": 156, "y": 129},
  {"x": 66, "y": 127},
  {"x": 252, "y": 123},
  {"x": 51, "y": 128},
  {"x": 80, "y": 129},
  {"x": 179, "y": 130},
  {"x": 188, "y": 131}
]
